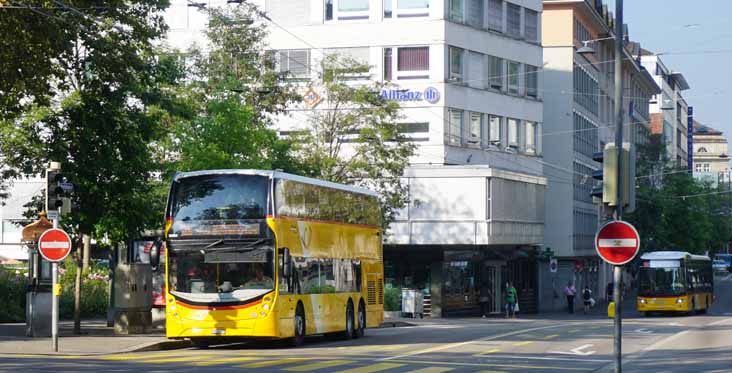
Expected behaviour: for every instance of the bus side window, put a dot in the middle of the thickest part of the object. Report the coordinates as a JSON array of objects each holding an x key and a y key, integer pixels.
[{"x": 285, "y": 283}]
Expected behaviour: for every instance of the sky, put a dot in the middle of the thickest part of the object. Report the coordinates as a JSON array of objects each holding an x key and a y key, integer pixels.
[{"x": 699, "y": 39}]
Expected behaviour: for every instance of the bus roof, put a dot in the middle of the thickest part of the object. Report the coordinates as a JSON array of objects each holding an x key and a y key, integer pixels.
[
  {"x": 671, "y": 255},
  {"x": 277, "y": 175}
]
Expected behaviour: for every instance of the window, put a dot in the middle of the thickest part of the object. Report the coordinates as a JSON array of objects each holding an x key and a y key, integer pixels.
[
  {"x": 513, "y": 20},
  {"x": 495, "y": 72},
  {"x": 456, "y": 64},
  {"x": 494, "y": 122},
  {"x": 586, "y": 90},
  {"x": 412, "y": 63},
  {"x": 455, "y": 11},
  {"x": 531, "y": 30},
  {"x": 583, "y": 182},
  {"x": 698, "y": 167},
  {"x": 476, "y": 70},
  {"x": 475, "y": 13},
  {"x": 387, "y": 64},
  {"x": 413, "y": 59},
  {"x": 585, "y": 135},
  {"x": 532, "y": 80},
  {"x": 455, "y": 120},
  {"x": 294, "y": 61},
  {"x": 345, "y": 10},
  {"x": 580, "y": 32},
  {"x": 706, "y": 167},
  {"x": 495, "y": 15},
  {"x": 513, "y": 134},
  {"x": 513, "y": 77},
  {"x": 476, "y": 121},
  {"x": 406, "y": 8},
  {"x": 417, "y": 132},
  {"x": 531, "y": 135},
  {"x": 358, "y": 55}
]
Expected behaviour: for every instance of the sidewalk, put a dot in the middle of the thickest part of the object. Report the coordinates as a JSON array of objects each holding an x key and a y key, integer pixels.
[{"x": 96, "y": 339}]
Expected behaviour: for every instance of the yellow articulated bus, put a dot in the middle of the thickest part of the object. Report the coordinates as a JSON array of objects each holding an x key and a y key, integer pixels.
[
  {"x": 675, "y": 281},
  {"x": 266, "y": 254}
]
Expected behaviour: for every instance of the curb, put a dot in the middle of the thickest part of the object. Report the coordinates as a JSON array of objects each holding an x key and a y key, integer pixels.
[
  {"x": 144, "y": 347},
  {"x": 395, "y": 324}
]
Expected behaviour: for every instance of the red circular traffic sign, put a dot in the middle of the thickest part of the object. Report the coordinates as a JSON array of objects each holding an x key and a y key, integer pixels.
[
  {"x": 617, "y": 242},
  {"x": 54, "y": 245}
]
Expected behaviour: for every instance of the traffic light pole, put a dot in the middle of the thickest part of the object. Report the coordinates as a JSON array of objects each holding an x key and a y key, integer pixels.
[
  {"x": 54, "y": 299},
  {"x": 617, "y": 270}
]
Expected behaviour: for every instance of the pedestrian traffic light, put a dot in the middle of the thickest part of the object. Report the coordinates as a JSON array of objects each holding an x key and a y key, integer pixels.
[
  {"x": 54, "y": 192},
  {"x": 597, "y": 190}
]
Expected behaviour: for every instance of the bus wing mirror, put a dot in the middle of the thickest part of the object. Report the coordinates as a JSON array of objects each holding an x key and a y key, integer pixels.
[
  {"x": 155, "y": 253},
  {"x": 286, "y": 263}
]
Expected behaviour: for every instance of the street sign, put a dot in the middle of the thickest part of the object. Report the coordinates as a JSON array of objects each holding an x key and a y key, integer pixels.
[
  {"x": 54, "y": 245},
  {"x": 553, "y": 265},
  {"x": 617, "y": 242}
]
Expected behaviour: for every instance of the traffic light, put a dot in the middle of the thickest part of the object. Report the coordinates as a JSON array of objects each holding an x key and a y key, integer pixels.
[
  {"x": 597, "y": 175},
  {"x": 54, "y": 192},
  {"x": 608, "y": 192}
]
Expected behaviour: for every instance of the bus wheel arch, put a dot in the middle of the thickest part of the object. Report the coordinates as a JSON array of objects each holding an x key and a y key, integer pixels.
[{"x": 361, "y": 328}]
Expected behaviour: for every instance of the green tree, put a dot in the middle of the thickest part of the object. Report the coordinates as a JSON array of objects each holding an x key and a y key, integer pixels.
[
  {"x": 354, "y": 136},
  {"x": 230, "y": 96}
]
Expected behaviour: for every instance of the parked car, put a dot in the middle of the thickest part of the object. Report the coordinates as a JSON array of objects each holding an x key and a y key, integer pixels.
[{"x": 719, "y": 266}]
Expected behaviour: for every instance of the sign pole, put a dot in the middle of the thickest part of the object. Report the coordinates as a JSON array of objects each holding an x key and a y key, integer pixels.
[
  {"x": 618, "y": 321},
  {"x": 54, "y": 300}
]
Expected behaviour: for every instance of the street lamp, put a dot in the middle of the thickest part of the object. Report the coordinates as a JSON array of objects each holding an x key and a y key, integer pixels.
[{"x": 587, "y": 49}]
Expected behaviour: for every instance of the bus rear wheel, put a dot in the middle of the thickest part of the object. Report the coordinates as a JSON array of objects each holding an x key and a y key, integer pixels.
[
  {"x": 299, "y": 324},
  {"x": 361, "y": 329},
  {"x": 348, "y": 332}
]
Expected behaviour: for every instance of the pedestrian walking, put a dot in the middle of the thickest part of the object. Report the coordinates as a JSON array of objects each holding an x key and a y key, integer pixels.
[
  {"x": 511, "y": 300},
  {"x": 587, "y": 298},
  {"x": 484, "y": 298},
  {"x": 570, "y": 292}
]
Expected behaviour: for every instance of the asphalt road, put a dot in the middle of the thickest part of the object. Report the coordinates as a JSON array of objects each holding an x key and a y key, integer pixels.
[{"x": 545, "y": 343}]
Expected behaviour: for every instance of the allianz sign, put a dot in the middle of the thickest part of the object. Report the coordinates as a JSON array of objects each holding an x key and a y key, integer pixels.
[{"x": 430, "y": 94}]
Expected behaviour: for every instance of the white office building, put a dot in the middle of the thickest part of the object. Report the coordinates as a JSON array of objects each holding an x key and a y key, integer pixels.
[{"x": 468, "y": 76}]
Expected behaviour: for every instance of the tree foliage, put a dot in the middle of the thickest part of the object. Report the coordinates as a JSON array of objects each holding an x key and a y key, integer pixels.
[
  {"x": 84, "y": 94},
  {"x": 231, "y": 93},
  {"x": 354, "y": 137},
  {"x": 674, "y": 210}
]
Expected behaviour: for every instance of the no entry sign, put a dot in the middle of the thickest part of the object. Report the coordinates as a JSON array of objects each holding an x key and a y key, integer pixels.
[
  {"x": 617, "y": 242},
  {"x": 54, "y": 245}
]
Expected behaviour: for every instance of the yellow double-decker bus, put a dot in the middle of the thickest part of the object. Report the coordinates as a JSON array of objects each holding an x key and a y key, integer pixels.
[
  {"x": 675, "y": 281},
  {"x": 266, "y": 254}
]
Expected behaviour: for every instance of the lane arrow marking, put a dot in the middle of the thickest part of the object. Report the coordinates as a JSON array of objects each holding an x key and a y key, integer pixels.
[{"x": 576, "y": 351}]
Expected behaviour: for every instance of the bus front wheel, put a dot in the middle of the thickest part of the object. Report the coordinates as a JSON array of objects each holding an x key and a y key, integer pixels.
[
  {"x": 299, "y": 338},
  {"x": 361, "y": 329}
]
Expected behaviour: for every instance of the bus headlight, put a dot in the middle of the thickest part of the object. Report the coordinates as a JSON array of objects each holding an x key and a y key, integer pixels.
[
  {"x": 642, "y": 301},
  {"x": 266, "y": 306},
  {"x": 680, "y": 300}
]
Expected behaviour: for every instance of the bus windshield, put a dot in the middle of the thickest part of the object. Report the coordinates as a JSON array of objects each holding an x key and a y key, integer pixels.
[
  {"x": 219, "y": 204},
  {"x": 661, "y": 281}
]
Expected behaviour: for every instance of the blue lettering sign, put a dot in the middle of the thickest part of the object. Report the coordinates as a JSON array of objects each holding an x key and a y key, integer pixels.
[{"x": 431, "y": 95}]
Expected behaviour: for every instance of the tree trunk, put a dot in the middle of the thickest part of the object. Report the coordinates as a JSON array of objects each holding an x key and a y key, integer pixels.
[
  {"x": 87, "y": 251},
  {"x": 77, "y": 297}
]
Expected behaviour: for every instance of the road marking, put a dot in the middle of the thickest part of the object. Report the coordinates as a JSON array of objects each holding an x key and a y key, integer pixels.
[
  {"x": 270, "y": 363},
  {"x": 139, "y": 357},
  {"x": 373, "y": 368},
  {"x": 515, "y": 357},
  {"x": 431, "y": 370},
  {"x": 551, "y": 336},
  {"x": 491, "y": 351},
  {"x": 643, "y": 331},
  {"x": 493, "y": 371},
  {"x": 459, "y": 344},
  {"x": 514, "y": 366},
  {"x": 319, "y": 365},
  {"x": 576, "y": 351},
  {"x": 574, "y": 331},
  {"x": 174, "y": 359},
  {"x": 524, "y": 343},
  {"x": 238, "y": 359}
]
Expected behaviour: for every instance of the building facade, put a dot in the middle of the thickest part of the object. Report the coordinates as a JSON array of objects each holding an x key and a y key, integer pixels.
[
  {"x": 467, "y": 76},
  {"x": 669, "y": 110},
  {"x": 711, "y": 155},
  {"x": 579, "y": 121}
]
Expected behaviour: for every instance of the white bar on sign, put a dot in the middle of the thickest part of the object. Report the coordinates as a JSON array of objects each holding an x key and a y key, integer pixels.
[
  {"x": 55, "y": 245},
  {"x": 617, "y": 242}
]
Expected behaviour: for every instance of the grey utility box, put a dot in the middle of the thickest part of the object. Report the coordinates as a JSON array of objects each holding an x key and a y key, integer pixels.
[
  {"x": 412, "y": 302},
  {"x": 132, "y": 298}
]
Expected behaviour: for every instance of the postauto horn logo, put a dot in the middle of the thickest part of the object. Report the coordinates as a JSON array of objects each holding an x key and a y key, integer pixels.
[{"x": 430, "y": 94}]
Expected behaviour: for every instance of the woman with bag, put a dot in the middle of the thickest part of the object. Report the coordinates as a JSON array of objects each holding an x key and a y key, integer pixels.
[
  {"x": 511, "y": 301},
  {"x": 587, "y": 298}
]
